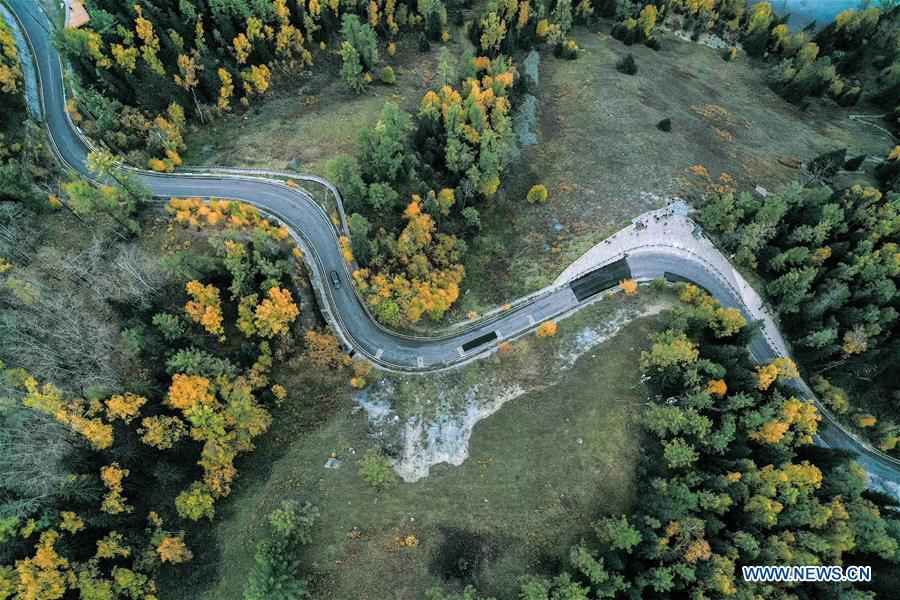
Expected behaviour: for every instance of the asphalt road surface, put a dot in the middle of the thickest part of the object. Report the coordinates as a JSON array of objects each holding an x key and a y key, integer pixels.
[{"x": 312, "y": 228}]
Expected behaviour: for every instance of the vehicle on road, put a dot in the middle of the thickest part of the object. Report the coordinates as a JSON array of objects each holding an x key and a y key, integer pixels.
[{"x": 335, "y": 279}]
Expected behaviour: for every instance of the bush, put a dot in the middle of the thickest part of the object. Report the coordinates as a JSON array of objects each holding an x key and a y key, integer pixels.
[
  {"x": 291, "y": 523},
  {"x": 855, "y": 163},
  {"x": 567, "y": 50},
  {"x": 624, "y": 34},
  {"x": 547, "y": 329},
  {"x": 730, "y": 54},
  {"x": 388, "y": 76},
  {"x": 376, "y": 469},
  {"x": 627, "y": 65},
  {"x": 274, "y": 574},
  {"x": 424, "y": 44},
  {"x": 538, "y": 194},
  {"x": 665, "y": 125}
]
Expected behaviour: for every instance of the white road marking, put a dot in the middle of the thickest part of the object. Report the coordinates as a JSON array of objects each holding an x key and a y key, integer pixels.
[
  {"x": 379, "y": 353},
  {"x": 421, "y": 361},
  {"x": 531, "y": 320}
]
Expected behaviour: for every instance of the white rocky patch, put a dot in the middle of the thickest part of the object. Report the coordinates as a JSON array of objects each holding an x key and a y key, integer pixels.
[{"x": 442, "y": 430}]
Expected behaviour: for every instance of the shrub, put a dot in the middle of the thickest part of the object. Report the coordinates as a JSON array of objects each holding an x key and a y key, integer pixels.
[
  {"x": 623, "y": 33},
  {"x": 424, "y": 44},
  {"x": 730, "y": 54},
  {"x": 864, "y": 420},
  {"x": 291, "y": 523},
  {"x": 665, "y": 125},
  {"x": 376, "y": 469},
  {"x": 547, "y": 329},
  {"x": 274, "y": 575},
  {"x": 538, "y": 194},
  {"x": 388, "y": 76},
  {"x": 567, "y": 50},
  {"x": 627, "y": 65},
  {"x": 855, "y": 163},
  {"x": 629, "y": 286}
]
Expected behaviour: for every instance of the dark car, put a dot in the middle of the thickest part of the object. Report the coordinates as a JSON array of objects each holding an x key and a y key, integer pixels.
[{"x": 335, "y": 279}]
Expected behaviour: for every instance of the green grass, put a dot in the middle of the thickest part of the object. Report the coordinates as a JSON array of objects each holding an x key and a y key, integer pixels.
[
  {"x": 310, "y": 118},
  {"x": 604, "y": 161},
  {"x": 539, "y": 471}
]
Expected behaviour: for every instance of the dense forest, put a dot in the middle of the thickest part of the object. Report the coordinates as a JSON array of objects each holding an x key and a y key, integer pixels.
[
  {"x": 117, "y": 442},
  {"x": 730, "y": 478},
  {"x": 415, "y": 189},
  {"x": 830, "y": 262}
]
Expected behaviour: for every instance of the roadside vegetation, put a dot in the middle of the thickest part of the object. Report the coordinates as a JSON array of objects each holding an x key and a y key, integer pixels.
[
  {"x": 729, "y": 478},
  {"x": 535, "y": 472},
  {"x": 176, "y": 422},
  {"x": 829, "y": 260}
]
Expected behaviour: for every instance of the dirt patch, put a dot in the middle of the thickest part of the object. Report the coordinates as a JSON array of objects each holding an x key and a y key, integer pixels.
[{"x": 462, "y": 555}]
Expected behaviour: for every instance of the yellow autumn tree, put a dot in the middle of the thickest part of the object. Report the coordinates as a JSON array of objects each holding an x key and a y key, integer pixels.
[
  {"x": 346, "y": 250},
  {"x": 205, "y": 306},
  {"x": 274, "y": 315},
  {"x": 256, "y": 79},
  {"x": 45, "y": 575},
  {"x": 324, "y": 351},
  {"x": 242, "y": 47},
  {"x": 124, "y": 406},
  {"x": 144, "y": 30},
  {"x": 361, "y": 371},
  {"x": 279, "y": 391},
  {"x": 798, "y": 417},
  {"x": 717, "y": 387},
  {"x": 189, "y": 391},
  {"x": 864, "y": 420},
  {"x": 629, "y": 286},
  {"x": 112, "y": 477},
  {"x": 547, "y": 329},
  {"x": 172, "y": 549},
  {"x": 162, "y": 431},
  {"x": 780, "y": 368},
  {"x": 226, "y": 89},
  {"x": 10, "y": 69},
  {"x": 195, "y": 503},
  {"x": 112, "y": 545},
  {"x": 69, "y": 521},
  {"x": 75, "y": 414}
]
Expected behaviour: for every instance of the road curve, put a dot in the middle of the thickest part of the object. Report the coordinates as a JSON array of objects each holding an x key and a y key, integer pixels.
[{"x": 658, "y": 244}]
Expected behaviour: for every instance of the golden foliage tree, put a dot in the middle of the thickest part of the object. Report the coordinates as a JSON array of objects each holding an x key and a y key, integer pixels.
[
  {"x": 205, "y": 306},
  {"x": 124, "y": 406},
  {"x": 629, "y": 286},
  {"x": 275, "y": 314},
  {"x": 172, "y": 549},
  {"x": 45, "y": 575},
  {"x": 112, "y": 477},
  {"x": 547, "y": 329},
  {"x": 324, "y": 351}
]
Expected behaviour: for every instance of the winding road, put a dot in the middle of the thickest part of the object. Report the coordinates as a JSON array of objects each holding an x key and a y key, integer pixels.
[{"x": 664, "y": 243}]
